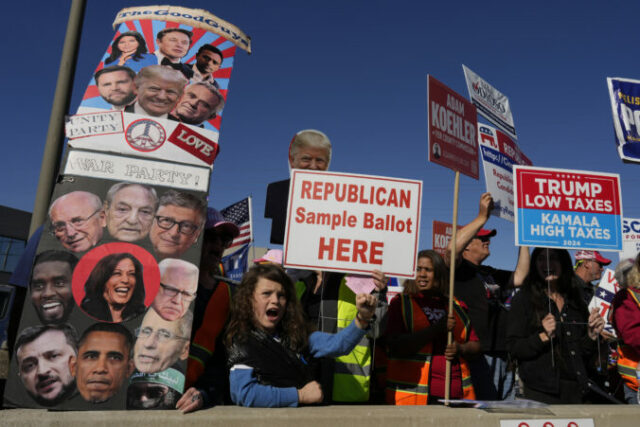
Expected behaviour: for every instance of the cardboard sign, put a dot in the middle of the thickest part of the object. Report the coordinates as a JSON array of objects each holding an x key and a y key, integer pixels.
[
  {"x": 129, "y": 169},
  {"x": 491, "y": 103},
  {"x": 603, "y": 295},
  {"x": 499, "y": 154},
  {"x": 561, "y": 208},
  {"x": 452, "y": 129},
  {"x": 117, "y": 265},
  {"x": 353, "y": 223},
  {"x": 442, "y": 232},
  {"x": 625, "y": 107},
  {"x": 630, "y": 238}
]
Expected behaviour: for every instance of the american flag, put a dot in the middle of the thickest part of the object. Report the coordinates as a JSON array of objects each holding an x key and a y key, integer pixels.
[{"x": 240, "y": 214}]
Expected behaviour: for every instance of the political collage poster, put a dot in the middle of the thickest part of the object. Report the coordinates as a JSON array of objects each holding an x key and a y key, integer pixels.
[
  {"x": 353, "y": 223},
  {"x": 499, "y": 153},
  {"x": 630, "y": 238},
  {"x": 452, "y": 122},
  {"x": 108, "y": 314},
  {"x": 625, "y": 107},
  {"x": 571, "y": 209}
]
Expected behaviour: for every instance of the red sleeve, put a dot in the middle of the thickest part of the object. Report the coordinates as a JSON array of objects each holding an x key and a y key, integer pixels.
[
  {"x": 627, "y": 322},
  {"x": 472, "y": 332},
  {"x": 395, "y": 323}
]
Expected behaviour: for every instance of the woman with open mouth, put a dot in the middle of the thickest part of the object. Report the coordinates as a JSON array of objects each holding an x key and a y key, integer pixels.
[
  {"x": 271, "y": 348},
  {"x": 416, "y": 338},
  {"x": 114, "y": 291},
  {"x": 550, "y": 332}
]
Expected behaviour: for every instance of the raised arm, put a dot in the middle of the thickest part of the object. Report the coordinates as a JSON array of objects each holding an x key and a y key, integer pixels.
[
  {"x": 466, "y": 233},
  {"x": 522, "y": 267}
]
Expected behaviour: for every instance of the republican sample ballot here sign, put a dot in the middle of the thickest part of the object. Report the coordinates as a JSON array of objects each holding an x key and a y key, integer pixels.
[
  {"x": 352, "y": 223},
  {"x": 452, "y": 129},
  {"x": 561, "y": 208}
]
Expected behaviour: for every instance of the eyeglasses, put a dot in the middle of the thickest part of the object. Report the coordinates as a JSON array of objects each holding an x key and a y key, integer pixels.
[
  {"x": 77, "y": 222},
  {"x": 185, "y": 227},
  {"x": 171, "y": 292},
  {"x": 162, "y": 335}
]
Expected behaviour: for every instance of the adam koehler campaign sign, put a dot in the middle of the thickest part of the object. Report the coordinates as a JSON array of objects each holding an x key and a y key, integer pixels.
[
  {"x": 352, "y": 223},
  {"x": 561, "y": 208},
  {"x": 625, "y": 106},
  {"x": 499, "y": 154},
  {"x": 452, "y": 129}
]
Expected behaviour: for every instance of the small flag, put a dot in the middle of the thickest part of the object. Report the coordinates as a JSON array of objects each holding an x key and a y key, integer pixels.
[{"x": 240, "y": 214}]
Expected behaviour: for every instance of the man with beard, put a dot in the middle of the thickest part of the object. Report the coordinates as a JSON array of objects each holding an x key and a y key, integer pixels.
[
  {"x": 103, "y": 362},
  {"x": 115, "y": 85},
  {"x": 208, "y": 61},
  {"x": 50, "y": 286},
  {"x": 43, "y": 353}
]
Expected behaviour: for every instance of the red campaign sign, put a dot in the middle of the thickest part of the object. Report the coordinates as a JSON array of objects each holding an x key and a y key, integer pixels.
[
  {"x": 452, "y": 129},
  {"x": 442, "y": 232},
  {"x": 196, "y": 144},
  {"x": 568, "y": 190}
]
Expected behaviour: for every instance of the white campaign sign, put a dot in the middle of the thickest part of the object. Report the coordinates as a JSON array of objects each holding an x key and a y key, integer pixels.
[
  {"x": 630, "y": 238},
  {"x": 352, "y": 223},
  {"x": 603, "y": 295},
  {"x": 499, "y": 153},
  {"x": 133, "y": 134},
  {"x": 491, "y": 103},
  {"x": 558, "y": 422},
  {"x": 150, "y": 172}
]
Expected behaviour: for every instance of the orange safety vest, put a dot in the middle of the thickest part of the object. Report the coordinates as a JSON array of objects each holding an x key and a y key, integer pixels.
[
  {"x": 204, "y": 341},
  {"x": 408, "y": 377},
  {"x": 628, "y": 358}
]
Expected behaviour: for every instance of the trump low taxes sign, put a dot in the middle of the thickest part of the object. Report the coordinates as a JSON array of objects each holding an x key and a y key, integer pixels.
[
  {"x": 561, "y": 208},
  {"x": 352, "y": 223}
]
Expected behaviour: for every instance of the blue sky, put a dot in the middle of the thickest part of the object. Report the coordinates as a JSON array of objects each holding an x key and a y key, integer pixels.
[{"x": 357, "y": 71}]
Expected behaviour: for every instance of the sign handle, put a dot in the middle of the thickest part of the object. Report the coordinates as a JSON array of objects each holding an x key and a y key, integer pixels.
[{"x": 452, "y": 275}]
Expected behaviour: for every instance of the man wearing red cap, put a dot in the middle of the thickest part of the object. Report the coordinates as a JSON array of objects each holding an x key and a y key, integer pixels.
[
  {"x": 588, "y": 268},
  {"x": 486, "y": 291}
]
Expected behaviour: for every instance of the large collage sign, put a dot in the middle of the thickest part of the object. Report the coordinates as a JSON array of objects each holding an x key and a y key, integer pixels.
[{"x": 109, "y": 310}]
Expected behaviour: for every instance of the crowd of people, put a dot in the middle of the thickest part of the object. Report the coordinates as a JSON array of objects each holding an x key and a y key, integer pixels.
[{"x": 299, "y": 337}]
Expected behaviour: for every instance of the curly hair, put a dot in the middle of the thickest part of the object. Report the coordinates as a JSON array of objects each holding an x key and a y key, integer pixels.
[
  {"x": 292, "y": 328},
  {"x": 94, "y": 286},
  {"x": 116, "y": 52},
  {"x": 439, "y": 274}
]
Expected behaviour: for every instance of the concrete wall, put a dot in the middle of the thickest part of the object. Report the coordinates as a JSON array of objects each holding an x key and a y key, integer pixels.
[{"x": 332, "y": 416}]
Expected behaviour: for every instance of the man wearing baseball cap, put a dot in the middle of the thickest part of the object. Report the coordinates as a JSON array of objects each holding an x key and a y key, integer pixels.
[
  {"x": 486, "y": 291},
  {"x": 588, "y": 268},
  {"x": 207, "y": 376}
]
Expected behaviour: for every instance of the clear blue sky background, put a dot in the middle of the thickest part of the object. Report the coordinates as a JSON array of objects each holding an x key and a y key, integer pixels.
[{"x": 357, "y": 71}]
